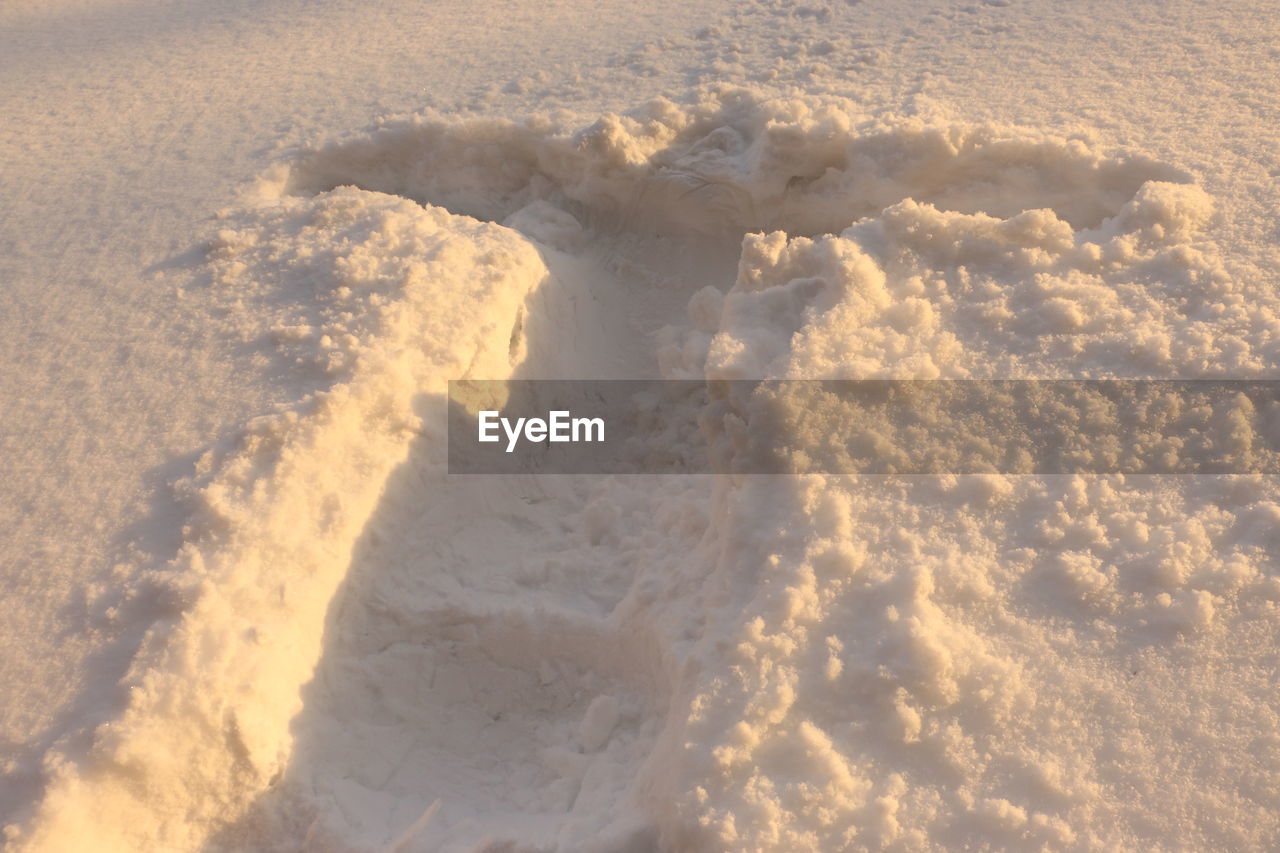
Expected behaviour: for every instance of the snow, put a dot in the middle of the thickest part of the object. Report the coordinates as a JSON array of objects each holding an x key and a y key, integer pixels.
[{"x": 248, "y": 608}]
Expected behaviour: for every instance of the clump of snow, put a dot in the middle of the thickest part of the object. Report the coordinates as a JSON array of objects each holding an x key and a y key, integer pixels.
[
  {"x": 404, "y": 298},
  {"x": 923, "y": 293},
  {"x": 732, "y": 162}
]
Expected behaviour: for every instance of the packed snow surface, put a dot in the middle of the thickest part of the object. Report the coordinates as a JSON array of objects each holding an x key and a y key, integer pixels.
[{"x": 345, "y": 648}]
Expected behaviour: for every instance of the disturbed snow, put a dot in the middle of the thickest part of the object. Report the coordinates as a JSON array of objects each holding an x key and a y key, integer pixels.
[{"x": 363, "y": 653}]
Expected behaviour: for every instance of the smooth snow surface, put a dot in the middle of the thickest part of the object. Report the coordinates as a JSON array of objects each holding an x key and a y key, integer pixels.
[{"x": 325, "y": 642}]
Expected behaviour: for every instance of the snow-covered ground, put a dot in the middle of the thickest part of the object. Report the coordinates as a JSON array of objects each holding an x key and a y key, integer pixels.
[{"x": 244, "y": 245}]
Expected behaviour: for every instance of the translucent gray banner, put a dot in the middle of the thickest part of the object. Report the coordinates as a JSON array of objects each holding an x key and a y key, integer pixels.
[{"x": 1125, "y": 426}]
